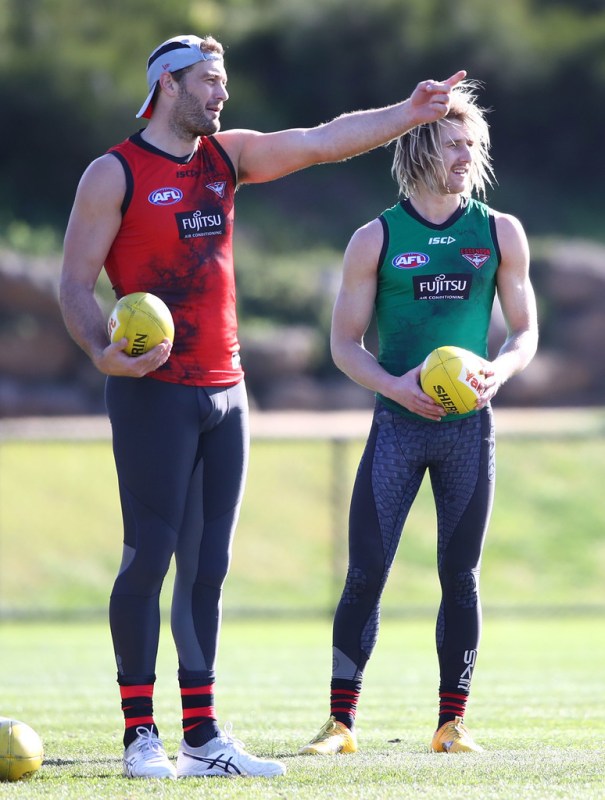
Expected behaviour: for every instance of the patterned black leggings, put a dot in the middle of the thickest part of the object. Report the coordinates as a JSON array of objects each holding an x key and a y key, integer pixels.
[{"x": 460, "y": 458}]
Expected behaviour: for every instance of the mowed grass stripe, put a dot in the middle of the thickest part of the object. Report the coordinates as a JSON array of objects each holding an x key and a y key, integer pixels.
[{"x": 535, "y": 708}]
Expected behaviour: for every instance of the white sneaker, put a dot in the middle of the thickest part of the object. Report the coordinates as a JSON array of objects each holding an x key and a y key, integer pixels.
[
  {"x": 224, "y": 756},
  {"x": 146, "y": 757}
]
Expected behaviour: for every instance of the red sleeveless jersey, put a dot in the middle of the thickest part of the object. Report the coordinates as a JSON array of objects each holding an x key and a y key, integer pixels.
[{"x": 176, "y": 242}]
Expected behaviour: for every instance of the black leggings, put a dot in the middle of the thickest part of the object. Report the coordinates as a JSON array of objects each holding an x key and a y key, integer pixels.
[
  {"x": 459, "y": 456},
  {"x": 181, "y": 455}
]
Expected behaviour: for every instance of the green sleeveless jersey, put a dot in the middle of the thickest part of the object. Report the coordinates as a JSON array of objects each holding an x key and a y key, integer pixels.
[{"x": 436, "y": 286}]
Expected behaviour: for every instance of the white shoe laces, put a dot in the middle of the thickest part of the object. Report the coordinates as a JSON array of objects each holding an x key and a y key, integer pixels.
[
  {"x": 228, "y": 737},
  {"x": 148, "y": 741}
]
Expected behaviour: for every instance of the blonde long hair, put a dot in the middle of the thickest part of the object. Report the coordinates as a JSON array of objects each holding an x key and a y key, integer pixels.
[{"x": 418, "y": 159}]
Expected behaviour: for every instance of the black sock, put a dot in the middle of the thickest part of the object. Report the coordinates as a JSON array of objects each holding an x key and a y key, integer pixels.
[
  {"x": 451, "y": 705},
  {"x": 344, "y": 695},
  {"x": 137, "y": 707},
  {"x": 199, "y": 717}
]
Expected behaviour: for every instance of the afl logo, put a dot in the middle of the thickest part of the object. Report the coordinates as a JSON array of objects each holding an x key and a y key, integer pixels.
[
  {"x": 167, "y": 196},
  {"x": 410, "y": 260}
]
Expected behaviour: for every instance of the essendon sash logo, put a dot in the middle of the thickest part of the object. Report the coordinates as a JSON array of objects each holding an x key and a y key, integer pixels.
[
  {"x": 477, "y": 256},
  {"x": 218, "y": 187}
]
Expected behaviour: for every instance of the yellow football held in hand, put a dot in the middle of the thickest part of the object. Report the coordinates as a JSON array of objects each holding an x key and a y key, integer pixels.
[
  {"x": 144, "y": 319},
  {"x": 450, "y": 375},
  {"x": 21, "y": 750}
]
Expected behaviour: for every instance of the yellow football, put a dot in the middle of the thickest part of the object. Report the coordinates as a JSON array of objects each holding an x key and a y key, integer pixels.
[
  {"x": 144, "y": 319},
  {"x": 450, "y": 375},
  {"x": 21, "y": 750}
]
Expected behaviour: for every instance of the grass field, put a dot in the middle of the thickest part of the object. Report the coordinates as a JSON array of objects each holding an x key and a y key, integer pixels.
[
  {"x": 536, "y": 707},
  {"x": 60, "y": 528},
  {"x": 537, "y": 700}
]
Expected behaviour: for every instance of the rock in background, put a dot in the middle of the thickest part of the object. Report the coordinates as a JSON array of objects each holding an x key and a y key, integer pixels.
[
  {"x": 569, "y": 369},
  {"x": 43, "y": 372}
]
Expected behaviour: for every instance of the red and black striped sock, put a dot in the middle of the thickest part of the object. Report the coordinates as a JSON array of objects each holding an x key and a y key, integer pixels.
[
  {"x": 451, "y": 705},
  {"x": 344, "y": 695},
  {"x": 199, "y": 716},
  {"x": 137, "y": 707}
]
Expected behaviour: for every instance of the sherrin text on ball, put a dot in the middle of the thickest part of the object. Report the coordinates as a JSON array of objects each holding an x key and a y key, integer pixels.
[
  {"x": 144, "y": 319},
  {"x": 451, "y": 376}
]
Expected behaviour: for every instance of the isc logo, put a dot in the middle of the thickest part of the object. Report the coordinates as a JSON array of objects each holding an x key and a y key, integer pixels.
[
  {"x": 410, "y": 260},
  {"x": 441, "y": 240},
  {"x": 166, "y": 196}
]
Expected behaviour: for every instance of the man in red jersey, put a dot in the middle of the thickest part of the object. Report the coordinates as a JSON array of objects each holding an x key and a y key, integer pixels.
[{"x": 157, "y": 212}]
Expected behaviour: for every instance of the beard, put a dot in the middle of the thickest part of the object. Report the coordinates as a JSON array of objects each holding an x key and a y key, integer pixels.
[{"x": 190, "y": 119}]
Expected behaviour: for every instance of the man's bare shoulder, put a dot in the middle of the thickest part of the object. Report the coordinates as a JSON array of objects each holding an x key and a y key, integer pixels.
[
  {"x": 104, "y": 175},
  {"x": 507, "y": 223},
  {"x": 106, "y": 165},
  {"x": 368, "y": 238}
]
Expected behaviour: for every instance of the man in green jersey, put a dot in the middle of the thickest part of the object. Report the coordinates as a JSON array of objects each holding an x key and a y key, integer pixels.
[{"x": 429, "y": 268}]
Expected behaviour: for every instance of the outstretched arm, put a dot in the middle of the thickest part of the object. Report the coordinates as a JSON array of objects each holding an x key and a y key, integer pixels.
[{"x": 261, "y": 157}]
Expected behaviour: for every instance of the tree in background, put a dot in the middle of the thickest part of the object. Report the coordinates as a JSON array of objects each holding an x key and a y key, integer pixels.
[{"x": 72, "y": 73}]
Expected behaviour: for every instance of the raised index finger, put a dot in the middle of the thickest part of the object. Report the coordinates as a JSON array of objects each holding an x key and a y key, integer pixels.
[{"x": 456, "y": 78}]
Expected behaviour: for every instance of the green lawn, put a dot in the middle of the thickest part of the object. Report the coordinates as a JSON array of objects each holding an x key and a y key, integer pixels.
[
  {"x": 536, "y": 708},
  {"x": 537, "y": 697},
  {"x": 60, "y": 529}
]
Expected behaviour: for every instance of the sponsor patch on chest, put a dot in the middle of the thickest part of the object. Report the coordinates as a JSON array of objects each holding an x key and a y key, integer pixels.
[
  {"x": 455, "y": 286},
  {"x": 193, "y": 224}
]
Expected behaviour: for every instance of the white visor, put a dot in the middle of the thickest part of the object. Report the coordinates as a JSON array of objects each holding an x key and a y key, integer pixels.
[{"x": 170, "y": 56}]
